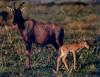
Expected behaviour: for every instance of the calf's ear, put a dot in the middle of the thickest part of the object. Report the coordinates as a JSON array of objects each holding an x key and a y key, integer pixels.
[{"x": 9, "y": 9}]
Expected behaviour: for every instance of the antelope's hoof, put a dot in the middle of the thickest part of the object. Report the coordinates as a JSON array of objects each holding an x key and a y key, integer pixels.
[
  {"x": 74, "y": 69},
  {"x": 67, "y": 69},
  {"x": 27, "y": 67},
  {"x": 57, "y": 71}
]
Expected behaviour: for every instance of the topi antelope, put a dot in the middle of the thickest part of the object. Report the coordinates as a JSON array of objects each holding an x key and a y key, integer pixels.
[{"x": 36, "y": 32}]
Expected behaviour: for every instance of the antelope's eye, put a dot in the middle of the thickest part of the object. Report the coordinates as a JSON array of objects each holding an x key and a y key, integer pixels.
[{"x": 14, "y": 11}]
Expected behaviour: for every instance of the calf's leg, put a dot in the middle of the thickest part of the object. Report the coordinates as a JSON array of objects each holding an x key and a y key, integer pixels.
[
  {"x": 74, "y": 58},
  {"x": 65, "y": 61},
  {"x": 58, "y": 62}
]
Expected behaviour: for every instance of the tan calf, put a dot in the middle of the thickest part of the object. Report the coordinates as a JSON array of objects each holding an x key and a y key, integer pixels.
[{"x": 74, "y": 48}]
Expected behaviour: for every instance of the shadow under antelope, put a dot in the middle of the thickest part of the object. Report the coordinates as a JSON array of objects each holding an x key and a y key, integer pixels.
[
  {"x": 73, "y": 48},
  {"x": 36, "y": 32}
]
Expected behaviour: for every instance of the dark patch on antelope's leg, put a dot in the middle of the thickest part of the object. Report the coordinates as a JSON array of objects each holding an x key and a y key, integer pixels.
[
  {"x": 27, "y": 54},
  {"x": 61, "y": 36},
  {"x": 55, "y": 44}
]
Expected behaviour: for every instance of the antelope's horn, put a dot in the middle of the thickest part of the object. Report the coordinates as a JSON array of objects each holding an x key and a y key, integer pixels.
[
  {"x": 21, "y": 5},
  {"x": 14, "y": 5}
]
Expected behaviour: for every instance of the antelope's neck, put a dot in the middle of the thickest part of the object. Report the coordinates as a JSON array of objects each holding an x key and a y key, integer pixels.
[
  {"x": 21, "y": 25},
  {"x": 81, "y": 46}
]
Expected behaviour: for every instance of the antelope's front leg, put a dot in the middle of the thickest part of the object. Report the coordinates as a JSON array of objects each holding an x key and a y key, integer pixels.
[
  {"x": 27, "y": 54},
  {"x": 74, "y": 58},
  {"x": 27, "y": 59}
]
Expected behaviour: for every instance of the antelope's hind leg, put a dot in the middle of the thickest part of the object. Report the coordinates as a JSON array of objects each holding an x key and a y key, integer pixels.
[
  {"x": 74, "y": 58},
  {"x": 58, "y": 62},
  {"x": 59, "y": 59},
  {"x": 65, "y": 61}
]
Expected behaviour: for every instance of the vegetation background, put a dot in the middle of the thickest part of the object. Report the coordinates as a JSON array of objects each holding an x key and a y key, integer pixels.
[{"x": 78, "y": 20}]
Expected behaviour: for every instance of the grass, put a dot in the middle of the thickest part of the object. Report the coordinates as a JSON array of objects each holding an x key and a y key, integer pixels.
[{"x": 79, "y": 22}]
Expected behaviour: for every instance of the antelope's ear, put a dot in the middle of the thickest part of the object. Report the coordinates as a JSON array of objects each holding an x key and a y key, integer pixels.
[
  {"x": 9, "y": 8},
  {"x": 23, "y": 9}
]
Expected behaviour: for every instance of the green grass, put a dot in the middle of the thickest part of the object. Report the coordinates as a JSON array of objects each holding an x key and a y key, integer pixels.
[{"x": 78, "y": 21}]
